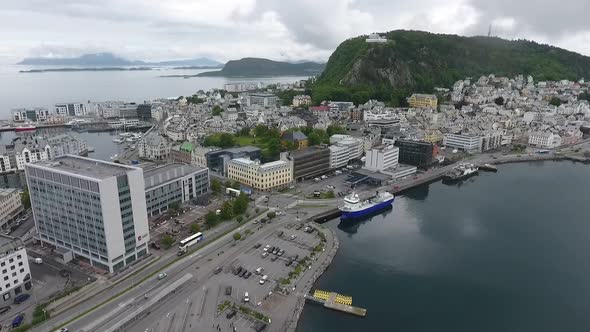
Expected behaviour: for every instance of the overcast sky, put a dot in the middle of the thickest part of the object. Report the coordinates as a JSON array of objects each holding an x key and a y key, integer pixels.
[{"x": 276, "y": 29}]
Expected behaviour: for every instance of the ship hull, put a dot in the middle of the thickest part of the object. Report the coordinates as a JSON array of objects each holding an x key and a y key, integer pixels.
[
  {"x": 375, "y": 209},
  {"x": 21, "y": 129}
]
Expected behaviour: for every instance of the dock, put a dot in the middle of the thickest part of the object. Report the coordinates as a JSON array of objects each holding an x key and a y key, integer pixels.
[{"x": 335, "y": 301}]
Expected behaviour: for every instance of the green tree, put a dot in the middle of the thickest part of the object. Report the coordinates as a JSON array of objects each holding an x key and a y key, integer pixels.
[
  {"x": 25, "y": 199},
  {"x": 174, "y": 207},
  {"x": 195, "y": 228},
  {"x": 167, "y": 241},
  {"x": 239, "y": 219},
  {"x": 226, "y": 140},
  {"x": 271, "y": 215},
  {"x": 555, "y": 101},
  {"x": 261, "y": 131},
  {"x": 194, "y": 99},
  {"x": 226, "y": 211},
  {"x": 335, "y": 129},
  {"x": 499, "y": 101},
  {"x": 240, "y": 204},
  {"x": 216, "y": 186},
  {"x": 237, "y": 236},
  {"x": 211, "y": 219},
  {"x": 314, "y": 139},
  {"x": 272, "y": 151},
  {"x": 245, "y": 131},
  {"x": 584, "y": 96},
  {"x": 217, "y": 110}
]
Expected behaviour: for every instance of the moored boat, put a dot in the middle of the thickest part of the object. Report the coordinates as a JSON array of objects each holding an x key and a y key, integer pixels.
[{"x": 354, "y": 207}]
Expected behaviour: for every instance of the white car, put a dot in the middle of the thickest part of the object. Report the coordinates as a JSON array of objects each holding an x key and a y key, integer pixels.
[
  {"x": 266, "y": 247},
  {"x": 162, "y": 276},
  {"x": 263, "y": 280},
  {"x": 246, "y": 297},
  {"x": 293, "y": 237},
  {"x": 64, "y": 329}
]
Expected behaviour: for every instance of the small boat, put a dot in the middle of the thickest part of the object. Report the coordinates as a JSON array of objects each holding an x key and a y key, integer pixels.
[
  {"x": 25, "y": 128},
  {"x": 114, "y": 156},
  {"x": 488, "y": 168},
  {"x": 118, "y": 141},
  {"x": 463, "y": 171},
  {"x": 90, "y": 148}
]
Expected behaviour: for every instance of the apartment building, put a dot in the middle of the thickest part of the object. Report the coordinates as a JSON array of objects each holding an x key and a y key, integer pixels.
[
  {"x": 92, "y": 209},
  {"x": 419, "y": 100},
  {"x": 381, "y": 157},
  {"x": 264, "y": 177},
  {"x": 15, "y": 276},
  {"x": 29, "y": 114},
  {"x": 10, "y": 206},
  {"x": 73, "y": 109}
]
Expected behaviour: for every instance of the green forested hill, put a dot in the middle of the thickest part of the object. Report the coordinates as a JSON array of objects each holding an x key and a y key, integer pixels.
[{"x": 415, "y": 61}]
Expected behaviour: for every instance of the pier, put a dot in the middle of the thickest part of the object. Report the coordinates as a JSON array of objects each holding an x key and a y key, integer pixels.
[{"x": 335, "y": 301}]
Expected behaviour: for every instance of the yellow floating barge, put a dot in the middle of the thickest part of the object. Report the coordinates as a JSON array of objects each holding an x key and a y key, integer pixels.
[{"x": 335, "y": 301}]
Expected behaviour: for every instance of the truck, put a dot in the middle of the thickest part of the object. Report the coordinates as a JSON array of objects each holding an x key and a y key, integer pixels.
[{"x": 232, "y": 192}]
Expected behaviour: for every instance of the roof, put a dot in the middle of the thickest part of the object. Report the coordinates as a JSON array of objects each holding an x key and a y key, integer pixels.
[
  {"x": 7, "y": 192},
  {"x": 187, "y": 146},
  {"x": 8, "y": 243},
  {"x": 87, "y": 167},
  {"x": 295, "y": 136},
  {"x": 423, "y": 96},
  {"x": 308, "y": 151},
  {"x": 167, "y": 173}
]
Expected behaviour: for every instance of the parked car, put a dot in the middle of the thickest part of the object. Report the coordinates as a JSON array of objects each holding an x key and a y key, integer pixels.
[
  {"x": 263, "y": 279},
  {"x": 38, "y": 260},
  {"x": 230, "y": 314},
  {"x": 64, "y": 329},
  {"x": 293, "y": 237},
  {"x": 299, "y": 226},
  {"x": 266, "y": 247},
  {"x": 217, "y": 270},
  {"x": 246, "y": 297},
  {"x": 259, "y": 270},
  {"x": 4, "y": 310},
  {"x": 247, "y": 275},
  {"x": 281, "y": 252},
  {"x": 228, "y": 290},
  {"x": 264, "y": 254},
  {"x": 243, "y": 273},
  {"x": 257, "y": 245},
  {"x": 294, "y": 258},
  {"x": 274, "y": 258},
  {"x": 155, "y": 245},
  {"x": 279, "y": 234},
  {"x": 238, "y": 270},
  {"x": 18, "y": 320},
  {"x": 276, "y": 251},
  {"x": 162, "y": 276},
  {"x": 21, "y": 298},
  {"x": 288, "y": 263}
]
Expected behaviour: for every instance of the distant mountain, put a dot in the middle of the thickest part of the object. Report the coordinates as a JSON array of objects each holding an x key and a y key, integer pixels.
[
  {"x": 256, "y": 67},
  {"x": 98, "y": 59},
  {"x": 109, "y": 59},
  {"x": 198, "y": 62}
]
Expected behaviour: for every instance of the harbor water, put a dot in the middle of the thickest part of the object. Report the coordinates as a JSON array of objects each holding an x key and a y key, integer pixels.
[{"x": 496, "y": 252}]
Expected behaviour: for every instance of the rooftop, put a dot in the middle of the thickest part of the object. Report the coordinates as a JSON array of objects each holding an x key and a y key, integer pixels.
[
  {"x": 7, "y": 192},
  {"x": 170, "y": 172},
  {"x": 92, "y": 168},
  {"x": 8, "y": 243},
  {"x": 308, "y": 151}
]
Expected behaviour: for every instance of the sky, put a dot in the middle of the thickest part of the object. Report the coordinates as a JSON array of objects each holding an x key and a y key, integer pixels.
[{"x": 286, "y": 30}]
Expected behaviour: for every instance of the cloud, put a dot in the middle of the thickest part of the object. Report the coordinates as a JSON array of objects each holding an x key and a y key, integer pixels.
[{"x": 278, "y": 29}]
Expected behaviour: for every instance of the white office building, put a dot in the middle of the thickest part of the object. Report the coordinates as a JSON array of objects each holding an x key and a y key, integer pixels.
[
  {"x": 15, "y": 276},
  {"x": 547, "y": 140},
  {"x": 381, "y": 157},
  {"x": 75, "y": 109},
  {"x": 91, "y": 210},
  {"x": 29, "y": 114},
  {"x": 468, "y": 143},
  {"x": 339, "y": 156}
]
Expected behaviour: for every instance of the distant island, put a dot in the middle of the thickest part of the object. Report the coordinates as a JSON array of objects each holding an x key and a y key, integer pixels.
[
  {"x": 49, "y": 70},
  {"x": 257, "y": 67},
  {"x": 109, "y": 59}
]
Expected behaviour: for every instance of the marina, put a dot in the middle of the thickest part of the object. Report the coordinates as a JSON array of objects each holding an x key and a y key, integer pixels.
[{"x": 337, "y": 302}]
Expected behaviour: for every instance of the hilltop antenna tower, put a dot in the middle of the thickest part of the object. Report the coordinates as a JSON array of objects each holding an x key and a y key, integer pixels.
[{"x": 490, "y": 31}]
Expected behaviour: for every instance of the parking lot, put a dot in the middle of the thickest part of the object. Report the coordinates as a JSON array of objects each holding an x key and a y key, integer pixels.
[{"x": 258, "y": 261}]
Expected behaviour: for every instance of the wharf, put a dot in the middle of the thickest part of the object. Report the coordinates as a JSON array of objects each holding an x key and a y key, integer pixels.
[{"x": 336, "y": 302}]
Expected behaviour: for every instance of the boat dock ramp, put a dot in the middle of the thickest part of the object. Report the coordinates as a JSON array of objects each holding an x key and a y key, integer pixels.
[{"x": 336, "y": 301}]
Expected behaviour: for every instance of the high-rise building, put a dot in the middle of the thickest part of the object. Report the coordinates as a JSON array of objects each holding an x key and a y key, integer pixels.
[
  {"x": 382, "y": 157},
  {"x": 93, "y": 209},
  {"x": 10, "y": 206},
  {"x": 415, "y": 153},
  {"x": 74, "y": 109},
  {"x": 310, "y": 162}
]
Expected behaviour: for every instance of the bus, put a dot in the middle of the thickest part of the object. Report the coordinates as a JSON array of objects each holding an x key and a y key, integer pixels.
[{"x": 185, "y": 244}]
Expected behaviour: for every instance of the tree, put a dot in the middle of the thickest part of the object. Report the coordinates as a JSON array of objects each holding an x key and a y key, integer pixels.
[
  {"x": 555, "y": 101},
  {"x": 245, "y": 131},
  {"x": 584, "y": 96},
  {"x": 335, "y": 129},
  {"x": 211, "y": 219},
  {"x": 273, "y": 149},
  {"x": 226, "y": 140},
  {"x": 167, "y": 241},
  {"x": 239, "y": 219},
  {"x": 237, "y": 236},
  {"x": 216, "y": 110},
  {"x": 195, "y": 228},
  {"x": 260, "y": 131},
  {"x": 499, "y": 101},
  {"x": 194, "y": 99},
  {"x": 587, "y": 154},
  {"x": 25, "y": 199},
  {"x": 174, "y": 207},
  {"x": 271, "y": 215},
  {"x": 226, "y": 211},
  {"x": 240, "y": 204},
  {"x": 216, "y": 186}
]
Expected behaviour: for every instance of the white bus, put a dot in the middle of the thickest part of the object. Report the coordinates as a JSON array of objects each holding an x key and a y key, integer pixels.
[{"x": 189, "y": 241}]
